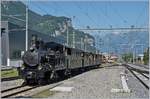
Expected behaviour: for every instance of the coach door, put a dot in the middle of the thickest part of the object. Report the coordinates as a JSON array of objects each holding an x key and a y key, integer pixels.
[
  {"x": 82, "y": 61},
  {"x": 67, "y": 57}
]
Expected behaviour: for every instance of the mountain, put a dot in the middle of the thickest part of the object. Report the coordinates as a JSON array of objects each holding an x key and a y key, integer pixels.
[
  {"x": 15, "y": 11},
  {"x": 56, "y": 26},
  {"x": 123, "y": 42}
]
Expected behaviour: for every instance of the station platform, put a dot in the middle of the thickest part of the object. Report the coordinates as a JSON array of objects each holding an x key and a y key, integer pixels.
[{"x": 98, "y": 84}]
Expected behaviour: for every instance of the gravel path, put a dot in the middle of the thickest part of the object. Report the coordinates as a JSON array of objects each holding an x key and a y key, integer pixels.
[{"x": 98, "y": 83}]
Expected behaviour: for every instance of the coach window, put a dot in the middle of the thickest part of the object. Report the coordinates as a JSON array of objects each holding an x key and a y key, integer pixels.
[
  {"x": 74, "y": 53},
  {"x": 3, "y": 30},
  {"x": 82, "y": 55},
  {"x": 65, "y": 52},
  {"x": 69, "y": 51}
]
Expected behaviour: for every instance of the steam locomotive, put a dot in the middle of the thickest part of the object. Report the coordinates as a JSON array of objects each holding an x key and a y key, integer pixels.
[{"x": 46, "y": 61}]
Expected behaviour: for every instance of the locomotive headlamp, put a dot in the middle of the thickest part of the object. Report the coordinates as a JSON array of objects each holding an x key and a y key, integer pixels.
[
  {"x": 39, "y": 67},
  {"x": 82, "y": 54},
  {"x": 22, "y": 67}
]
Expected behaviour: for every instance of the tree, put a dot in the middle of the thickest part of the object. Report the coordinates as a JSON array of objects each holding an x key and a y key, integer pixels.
[
  {"x": 127, "y": 57},
  {"x": 146, "y": 57}
]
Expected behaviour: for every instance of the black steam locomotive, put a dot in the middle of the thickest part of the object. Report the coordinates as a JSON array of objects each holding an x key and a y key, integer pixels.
[{"x": 50, "y": 60}]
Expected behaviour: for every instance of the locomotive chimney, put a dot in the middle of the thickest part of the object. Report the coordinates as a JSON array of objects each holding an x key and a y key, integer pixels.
[{"x": 34, "y": 39}]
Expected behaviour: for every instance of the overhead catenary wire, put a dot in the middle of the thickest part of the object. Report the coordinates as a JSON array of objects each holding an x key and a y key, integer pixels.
[
  {"x": 16, "y": 16},
  {"x": 10, "y": 16},
  {"x": 41, "y": 9},
  {"x": 105, "y": 15},
  {"x": 66, "y": 13},
  {"x": 123, "y": 19},
  {"x": 61, "y": 9},
  {"x": 139, "y": 16},
  {"x": 86, "y": 14},
  {"x": 58, "y": 6},
  {"x": 46, "y": 12}
]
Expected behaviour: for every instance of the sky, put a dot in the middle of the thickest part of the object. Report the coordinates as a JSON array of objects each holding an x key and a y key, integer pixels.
[{"x": 96, "y": 14}]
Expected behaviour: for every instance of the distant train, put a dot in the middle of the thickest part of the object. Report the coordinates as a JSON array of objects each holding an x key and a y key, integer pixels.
[{"x": 44, "y": 62}]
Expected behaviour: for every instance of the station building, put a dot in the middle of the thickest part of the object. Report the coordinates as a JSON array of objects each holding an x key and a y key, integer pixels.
[{"x": 13, "y": 42}]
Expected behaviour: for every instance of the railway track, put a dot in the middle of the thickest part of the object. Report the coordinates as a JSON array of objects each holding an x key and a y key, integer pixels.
[
  {"x": 140, "y": 75},
  {"x": 21, "y": 91},
  {"x": 2, "y": 91},
  {"x": 15, "y": 90},
  {"x": 144, "y": 66}
]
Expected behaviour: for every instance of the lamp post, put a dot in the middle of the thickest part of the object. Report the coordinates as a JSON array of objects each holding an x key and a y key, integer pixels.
[{"x": 26, "y": 25}]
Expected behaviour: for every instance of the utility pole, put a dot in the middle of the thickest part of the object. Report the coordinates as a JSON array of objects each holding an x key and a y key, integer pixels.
[
  {"x": 73, "y": 39},
  {"x": 123, "y": 46},
  {"x": 67, "y": 34},
  {"x": 135, "y": 51},
  {"x": 86, "y": 42},
  {"x": 0, "y": 41},
  {"x": 26, "y": 25},
  {"x": 81, "y": 43}
]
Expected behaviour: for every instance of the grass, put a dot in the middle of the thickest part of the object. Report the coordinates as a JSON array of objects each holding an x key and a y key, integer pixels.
[
  {"x": 9, "y": 73},
  {"x": 43, "y": 94}
]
